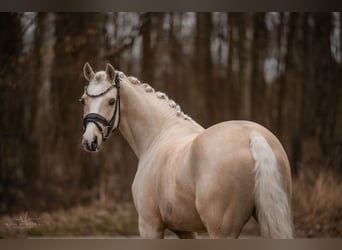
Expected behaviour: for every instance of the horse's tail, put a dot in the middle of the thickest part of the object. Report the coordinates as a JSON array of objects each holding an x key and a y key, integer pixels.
[{"x": 272, "y": 204}]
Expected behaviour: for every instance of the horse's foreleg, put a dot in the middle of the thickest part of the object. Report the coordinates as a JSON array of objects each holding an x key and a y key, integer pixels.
[
  {"x": 185, "y": 235},
  {"x": 151, "y": 229}
]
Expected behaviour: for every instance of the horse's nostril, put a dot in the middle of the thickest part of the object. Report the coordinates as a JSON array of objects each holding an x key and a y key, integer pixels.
[
  {"x": 86, "y": 145},
  {"x": 94, "y": 143}
]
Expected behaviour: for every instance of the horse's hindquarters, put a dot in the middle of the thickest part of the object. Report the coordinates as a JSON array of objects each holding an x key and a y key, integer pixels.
[{"x": 225, "y": 178}]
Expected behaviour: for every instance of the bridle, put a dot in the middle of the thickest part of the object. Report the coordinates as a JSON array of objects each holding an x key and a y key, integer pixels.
[{"x": 97, "y": 119}]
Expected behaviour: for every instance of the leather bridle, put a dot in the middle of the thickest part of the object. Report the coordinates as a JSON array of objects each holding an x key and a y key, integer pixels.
[{"x": 99, "y": 119}]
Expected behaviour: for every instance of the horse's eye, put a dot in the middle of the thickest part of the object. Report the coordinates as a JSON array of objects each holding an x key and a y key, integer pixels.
[
  {"x": 81, "y": 100},
  {"x": 111, "y": 101}
]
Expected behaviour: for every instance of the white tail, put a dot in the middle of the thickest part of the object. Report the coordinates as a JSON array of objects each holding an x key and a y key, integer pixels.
[{"x": 272, "y": 205}]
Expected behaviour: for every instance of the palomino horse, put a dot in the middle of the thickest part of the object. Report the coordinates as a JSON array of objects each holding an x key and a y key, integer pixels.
[{"x": 190, "y": 179}]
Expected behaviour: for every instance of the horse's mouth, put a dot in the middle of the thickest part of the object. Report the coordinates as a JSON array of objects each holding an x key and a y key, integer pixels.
[{"x": 90, "y": 149}]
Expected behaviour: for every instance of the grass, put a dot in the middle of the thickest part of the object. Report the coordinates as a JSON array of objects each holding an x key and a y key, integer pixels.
[
  {"x": 317, "y": 204},
  {"x": 94, "y": 220}
]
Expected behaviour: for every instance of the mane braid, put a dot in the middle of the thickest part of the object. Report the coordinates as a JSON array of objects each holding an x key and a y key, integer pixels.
[{"x": 160, "y": 95}]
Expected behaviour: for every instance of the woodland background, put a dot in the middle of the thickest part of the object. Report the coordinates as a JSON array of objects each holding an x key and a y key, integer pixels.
[{"x": 282, "y": 70}]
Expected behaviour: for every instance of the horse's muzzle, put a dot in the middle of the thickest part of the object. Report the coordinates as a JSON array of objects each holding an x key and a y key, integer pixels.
[{"x": 90, "y": 145}]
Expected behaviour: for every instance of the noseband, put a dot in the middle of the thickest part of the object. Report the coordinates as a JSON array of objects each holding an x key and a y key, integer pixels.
[{"x": 99, "y": 119}]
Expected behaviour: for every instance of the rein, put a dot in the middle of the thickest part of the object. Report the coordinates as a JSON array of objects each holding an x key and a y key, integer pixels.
[{"x": 97, "y": 119}]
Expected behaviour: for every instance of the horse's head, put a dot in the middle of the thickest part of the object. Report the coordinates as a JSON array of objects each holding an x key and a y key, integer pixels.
[{"x": 101, "y": 100}]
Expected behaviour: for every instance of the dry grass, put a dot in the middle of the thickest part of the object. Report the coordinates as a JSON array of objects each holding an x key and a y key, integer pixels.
[
  {"x": 98, "y": 219},
  {"x": 317, "y": 204}
]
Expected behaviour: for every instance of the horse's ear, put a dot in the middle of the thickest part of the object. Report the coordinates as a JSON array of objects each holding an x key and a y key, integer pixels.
[
  {"x": 88, "y": 72},
  {"x": 110, "y": 71}
]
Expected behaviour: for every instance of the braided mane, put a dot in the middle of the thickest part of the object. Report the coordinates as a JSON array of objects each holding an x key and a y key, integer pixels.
[{"x": 160, "y": 95}]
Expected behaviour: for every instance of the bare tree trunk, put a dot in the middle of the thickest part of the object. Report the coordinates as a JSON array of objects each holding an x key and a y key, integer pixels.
[
  {"x": 13, "y": 96},
  {"x": 245, "y": 59},
  {"x": 78, "y": 41},
  {"x": 258, "y": 58},
  {"x": 203, "y": 66},
  {"x": 233, "y": 61},
  {"x": 147, "y": 52},
  {"x": 327, "y": 85},
  {"x": 45, "y": 54}
]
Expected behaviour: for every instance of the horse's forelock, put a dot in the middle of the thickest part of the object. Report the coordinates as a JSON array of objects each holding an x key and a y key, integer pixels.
[
  {"x": 99, "y": 83},
  {"x": 100, "y": 76}
]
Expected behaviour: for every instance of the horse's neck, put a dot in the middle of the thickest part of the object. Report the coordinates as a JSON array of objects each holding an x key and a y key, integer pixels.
[{"x": 144, "y": 118}]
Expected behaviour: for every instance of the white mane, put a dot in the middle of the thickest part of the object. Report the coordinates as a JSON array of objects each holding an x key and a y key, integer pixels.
[{"x": 160, "y": 95}]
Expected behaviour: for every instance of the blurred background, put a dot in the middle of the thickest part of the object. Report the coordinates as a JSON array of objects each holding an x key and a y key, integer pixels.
[{"x": 282, "y": 70}]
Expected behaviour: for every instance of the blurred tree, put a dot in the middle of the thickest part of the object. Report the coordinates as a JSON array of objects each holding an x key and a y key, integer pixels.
[
  {"x": 282, "y": 70},
  {"x": 204, "y": 89},
  {"x": 323, "y": 91},
  {"x": 245, "y": 26},
  {"x": 43, "y": 135},
  {"x": 240, "y": 26},
  {"x": 147, "y": 50},
  {"x": 13, "y": 139},
  {"x": 79, "y": 38},
  {"x": 290, "y": 82}
]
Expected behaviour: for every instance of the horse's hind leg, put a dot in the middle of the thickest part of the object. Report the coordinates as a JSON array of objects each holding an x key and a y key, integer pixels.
[
  {"x": 222, "y": 223},
  {"x": 185, "y": 234},
  {"x": 224, "y": 227},
  {"x": 226, "y": 230}
]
